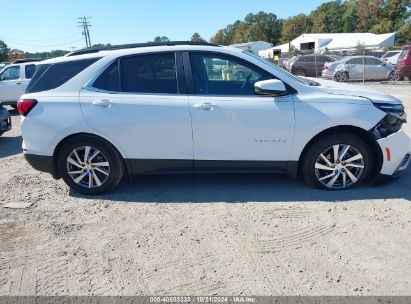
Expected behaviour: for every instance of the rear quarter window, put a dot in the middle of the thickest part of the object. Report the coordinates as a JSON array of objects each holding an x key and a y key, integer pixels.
[
  {"x": 50, "y": 76},
  {"x": 403, "y": 54},
  {"x": 30, "y": 70},
  {"x": 109, "y": 80}
]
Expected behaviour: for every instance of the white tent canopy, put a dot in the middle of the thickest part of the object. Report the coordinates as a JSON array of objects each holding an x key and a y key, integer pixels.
[
  {"x": 254, "y": 46},
  {"x": 334, "y": 42}
]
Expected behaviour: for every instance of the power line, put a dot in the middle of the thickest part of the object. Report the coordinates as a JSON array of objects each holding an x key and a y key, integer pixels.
[{"x": 85, "y": 24}]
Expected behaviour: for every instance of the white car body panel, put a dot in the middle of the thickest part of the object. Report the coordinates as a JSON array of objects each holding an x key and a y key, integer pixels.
[
  {"x": 50, "y": 122},
  {"x": 145, "y": 126},
  {"x": 241, "y": 128},
  {"x": 315, "y": 113},
  {"x": 399, "y": 145}
]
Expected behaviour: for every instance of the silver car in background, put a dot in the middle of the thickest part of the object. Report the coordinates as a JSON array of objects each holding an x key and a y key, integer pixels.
[{"x": 357, "y": 67}]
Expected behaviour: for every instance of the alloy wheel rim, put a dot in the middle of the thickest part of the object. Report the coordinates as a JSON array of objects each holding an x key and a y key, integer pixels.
[
  {"x": 341, "y": 77},
  {"x": 339, "y": 166},
  {"x": 394, "y": 77},
  {"x": 88, "y": 167}
]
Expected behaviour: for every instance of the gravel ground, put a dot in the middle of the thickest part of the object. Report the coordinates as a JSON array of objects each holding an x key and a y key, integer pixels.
[{"x": 202, "y": 235}]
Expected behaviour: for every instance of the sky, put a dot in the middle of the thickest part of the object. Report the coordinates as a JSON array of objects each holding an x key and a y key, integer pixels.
[{"x": 43, "y": 25}]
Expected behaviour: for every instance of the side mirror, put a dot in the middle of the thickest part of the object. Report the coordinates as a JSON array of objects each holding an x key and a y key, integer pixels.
[{"x": 271, "y": 87}]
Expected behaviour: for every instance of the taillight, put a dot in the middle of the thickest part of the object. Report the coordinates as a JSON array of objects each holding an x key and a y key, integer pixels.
[
  {"x": 325, "y": 67},
  {"x": 406, "y": 61},
  {"x": 24, "y": 106}
]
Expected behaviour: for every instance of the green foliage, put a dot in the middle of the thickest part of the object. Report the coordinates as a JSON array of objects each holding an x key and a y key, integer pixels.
[
  {"x": 337, "y": 16},
  {"x": 46, "y": 55},
  {"x": 4, "y": 51},
  {"x": 197, "y": 38},
  {"x": 294, "y": 27},
  {"x": 328, "y": 18},
  {"x": 161, "y": 39},
  {"x": 100, "y": 45},
  {"x": 261, "y": 26}
]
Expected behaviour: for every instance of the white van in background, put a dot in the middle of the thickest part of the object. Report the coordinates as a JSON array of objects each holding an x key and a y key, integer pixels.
[{"x": 14, "y": 79}]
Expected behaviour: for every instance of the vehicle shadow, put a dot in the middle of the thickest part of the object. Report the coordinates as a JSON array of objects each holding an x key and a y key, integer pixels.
[
  {"x": 242, "y": 188},
  {"x": 10, "y": 145}
]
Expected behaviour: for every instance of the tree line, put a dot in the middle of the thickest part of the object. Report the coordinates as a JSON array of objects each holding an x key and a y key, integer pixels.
[{"x": 374, "y": 16}]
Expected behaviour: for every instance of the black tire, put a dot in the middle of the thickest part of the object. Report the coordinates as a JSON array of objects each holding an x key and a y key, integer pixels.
[
  {"x": 394, "y": 77},
  {"x": 300, "y": 72},
  {"x": 108, "y": 154},
  {"x": 310, "y": 174},
  {"x": 341, "y": 77}
]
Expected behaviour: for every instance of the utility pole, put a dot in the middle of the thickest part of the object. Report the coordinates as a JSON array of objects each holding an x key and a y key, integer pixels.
[{"x": 85, "y": 24}]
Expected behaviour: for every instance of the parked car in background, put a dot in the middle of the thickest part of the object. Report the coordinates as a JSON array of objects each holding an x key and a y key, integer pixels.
[
  {"x": 391, "y": 57},
  {"x": 403, "y": 67},
  {"x": 165, "y": 108},
  {"x": 5, "y": 120},
  {"x": 309, "y": 65},
  {"x": 290, "y": 62},
  {"x": 357, "y": 68},
  {"x": 14, "y": 79}
]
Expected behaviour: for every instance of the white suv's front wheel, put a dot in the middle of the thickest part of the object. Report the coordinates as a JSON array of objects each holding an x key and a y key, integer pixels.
[
  {"x": 90, "y": 165},
  {"x": 337, "y": 161}
]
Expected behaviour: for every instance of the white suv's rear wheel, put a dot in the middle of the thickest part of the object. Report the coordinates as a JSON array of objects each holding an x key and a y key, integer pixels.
[
  {"x": 90, "y": 165},
  {"x": 337, "y": 161}
]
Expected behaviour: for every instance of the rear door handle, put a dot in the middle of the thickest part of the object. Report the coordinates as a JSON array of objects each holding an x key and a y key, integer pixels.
[
  {"x": 103, "y": 103},
  {"x": 207, "y": 106},
  {"x": 18, "y": 83}
]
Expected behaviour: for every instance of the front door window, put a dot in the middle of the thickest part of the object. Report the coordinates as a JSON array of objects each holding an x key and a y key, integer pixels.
[
  {"x": 220, "y": 75},
  {"x": 10, "y": 73}
]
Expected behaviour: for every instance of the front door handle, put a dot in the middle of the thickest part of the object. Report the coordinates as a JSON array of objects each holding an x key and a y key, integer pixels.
[
  {"x": 103, "y": 103},
  {"x": 18, "y": 83},
  {"x": 207, "y": 106}
]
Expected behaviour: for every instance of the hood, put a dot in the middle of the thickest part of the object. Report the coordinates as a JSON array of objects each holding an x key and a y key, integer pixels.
[{"x": 338, "y": 88}]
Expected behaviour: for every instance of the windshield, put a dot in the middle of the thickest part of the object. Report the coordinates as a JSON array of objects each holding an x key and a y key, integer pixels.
[{"x": 279, "y": 70}]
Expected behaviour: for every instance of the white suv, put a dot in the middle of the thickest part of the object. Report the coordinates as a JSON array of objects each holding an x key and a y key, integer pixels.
[
  {"x": 14, "y": 79},
  {"x": 95, "y": 115}
]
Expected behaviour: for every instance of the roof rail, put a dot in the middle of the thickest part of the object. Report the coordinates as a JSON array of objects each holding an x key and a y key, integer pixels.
[
  {"x": 135, "y": 45},
  {"x": 25, "y": 60}
]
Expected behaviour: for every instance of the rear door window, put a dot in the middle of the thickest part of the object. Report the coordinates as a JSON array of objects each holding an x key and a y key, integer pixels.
[
  {"x": 29, "y": 70},
  {"x": 151, "y": 73},
  {"x": 372, "y": 61},
  {"x": 355, "y": 61},
  {"x": 51, "y": 76},
  {"x": 327, "y": 59},
  {"x": 10, "y": 73},
  {"x": 304, "y": 59}
]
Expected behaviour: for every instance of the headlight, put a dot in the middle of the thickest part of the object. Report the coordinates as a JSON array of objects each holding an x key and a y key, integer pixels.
[
  {"x": 396, "y": 110},
  {"x": 392, "y": 122}
]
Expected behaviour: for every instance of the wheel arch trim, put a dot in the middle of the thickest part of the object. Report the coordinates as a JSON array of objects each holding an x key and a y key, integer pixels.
[
  {"x": 294, "y": 169},
  {"x": 58, "y": 147}
]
